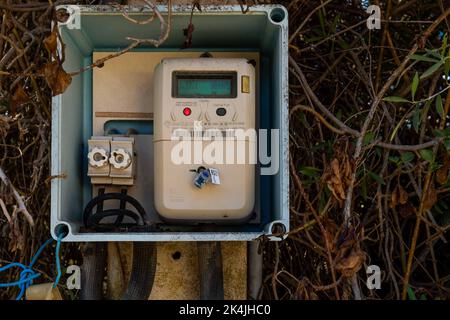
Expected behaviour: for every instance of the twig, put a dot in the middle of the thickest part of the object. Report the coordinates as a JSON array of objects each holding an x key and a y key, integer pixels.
[
  {"x": 21, "y": 205},
  {"x": 305, "y": 21},
  {"x": 165, "y": 31}
]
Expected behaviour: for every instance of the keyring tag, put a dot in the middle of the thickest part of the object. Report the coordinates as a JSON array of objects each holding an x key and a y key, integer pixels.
[{"x": 214, "y": 173}]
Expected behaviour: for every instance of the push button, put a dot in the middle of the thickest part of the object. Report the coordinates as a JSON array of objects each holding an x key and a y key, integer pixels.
[
  {"x": 187, "y": 111},
  {"x": 221, "y": 112}
]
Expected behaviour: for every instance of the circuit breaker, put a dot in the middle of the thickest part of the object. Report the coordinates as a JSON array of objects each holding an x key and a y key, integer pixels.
[{"x": 204, "y": 139}]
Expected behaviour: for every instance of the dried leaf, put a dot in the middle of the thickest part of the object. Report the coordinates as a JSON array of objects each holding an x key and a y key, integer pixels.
[
  {"x": 16, "y": 238},
  {"x": 350, "y": 264},
  {"x": 406, "y": 210},
  {"x": 4, "y": 124},
  {"x": 50, "y": 42},
  {"x": 188, "y": 36},
  {"x": 338, "y": 175},
  {"x": 57, "y": 79},
  {"x": 394, "y": 199},
  {"x": 421, "y": 42},
  {"x": 442, "y": 172},
  {"x": 349, "y": 258},
  {"x": 18, "y": 98},
  {"x": 402, "y": 195},
  {"x": 430, "y": 198},
  {"x": 330, "y": 232},
  {"x": 334, "y": 181},
  {"x": 442, "y": 175}
]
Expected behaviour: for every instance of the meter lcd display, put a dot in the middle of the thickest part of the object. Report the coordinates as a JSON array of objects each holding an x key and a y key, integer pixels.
[{"x": 204, "y": 85}]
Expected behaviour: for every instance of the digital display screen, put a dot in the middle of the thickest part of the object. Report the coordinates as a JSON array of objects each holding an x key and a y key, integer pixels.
[{"x": 204, "y": 85}]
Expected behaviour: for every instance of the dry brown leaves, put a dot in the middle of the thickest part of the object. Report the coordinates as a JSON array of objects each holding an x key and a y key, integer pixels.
[
  {"x": 399, "y": 196},
  {"x": 338, "y": 174},
  {"x": 349, "y": 257},
  {"x": 57, "y": 79},
  {"x": 345, "y": 246},
  {"x": 51, "y": 42},
  {"x": 331, "y": 229},
  {"x": 17, "y": 240},
  {"x": 442, "y": 172},
  {"x": 18, "y": 98},
  {"x": 406, "y": 210},
  {"x": 4, "y": 124},
  {"x": 189, "y": 31},
  {"x": 430, "y": 197},
  {"x": 399, "y": 200}
]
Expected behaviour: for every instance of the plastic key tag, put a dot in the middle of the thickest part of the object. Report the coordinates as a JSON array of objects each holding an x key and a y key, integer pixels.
[{"x": 214, "y": 173}]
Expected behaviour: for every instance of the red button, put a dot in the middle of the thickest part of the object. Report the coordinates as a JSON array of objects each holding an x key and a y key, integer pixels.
[{"x": 187, "y": 111}]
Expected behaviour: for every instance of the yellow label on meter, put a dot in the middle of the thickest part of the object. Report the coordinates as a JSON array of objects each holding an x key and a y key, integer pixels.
[{"x": 245, "y": 84}]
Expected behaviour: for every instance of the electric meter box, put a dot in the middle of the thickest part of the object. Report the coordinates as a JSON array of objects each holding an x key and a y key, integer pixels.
[{"x": 119, "y": 125}]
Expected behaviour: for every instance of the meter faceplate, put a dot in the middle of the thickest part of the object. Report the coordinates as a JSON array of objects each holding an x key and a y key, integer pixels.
[{"x": 206, "y": 92}]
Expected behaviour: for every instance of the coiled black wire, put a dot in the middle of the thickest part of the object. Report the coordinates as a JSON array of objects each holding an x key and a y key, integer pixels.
[
  {"x": 94, "y": 254},
  {"x": 94, "y": 220}
]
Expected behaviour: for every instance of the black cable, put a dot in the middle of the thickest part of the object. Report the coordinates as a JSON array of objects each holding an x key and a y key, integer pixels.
[
  {"x": 94, "y": 220},
  {"x": 94, "y": 254},
  {"x": 210, "y": 270}
]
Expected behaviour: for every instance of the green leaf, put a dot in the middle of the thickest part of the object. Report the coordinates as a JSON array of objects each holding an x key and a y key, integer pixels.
[
  {"x": 407, "y": 157},
  {"x": 434, "y": 166},
  {"x": 364, "y": 188},
  {"x": 309, "y": 171},
  {"x": 423, "y": 296},
  {"x": 440, "y": 107},
  {"x": 368, "y": 138},
  {"x": 447, "y": 65},
  {"x": 439, "y": 133},
  {"x": 423, "y": 58},
  {"x": 414, "y": 85},
  {"x": 394, "y": 159},
  {"x": 434, "y": 53},
  {"x": 427, "y": 155},
  {"x": 395, "y": 99},
  {"x": 447, "y": 144},
  {"x": 322, "y": 22},
  {"x": 444, "y": 44},
  {"x": 411, "y": 294},
  {"x": 431, "y": 69},
  {"x": 333, "y": 26},
  {"x": 376, "y": 177}
]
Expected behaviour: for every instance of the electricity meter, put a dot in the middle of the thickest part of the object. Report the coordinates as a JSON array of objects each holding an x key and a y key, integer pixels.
[{"x": 204, "y": 139}]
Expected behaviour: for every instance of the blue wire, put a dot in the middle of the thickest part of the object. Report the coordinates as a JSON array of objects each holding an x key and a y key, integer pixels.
[
  {"x": 27, "y": 275},
  {"x": 38, "y": 253},
  {"x": 58, "y": 263}
]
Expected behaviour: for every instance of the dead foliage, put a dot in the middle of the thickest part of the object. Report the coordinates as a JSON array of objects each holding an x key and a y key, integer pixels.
[{"x": 369, "y": 147}]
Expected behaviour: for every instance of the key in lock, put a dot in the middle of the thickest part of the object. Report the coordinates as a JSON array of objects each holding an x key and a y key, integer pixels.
[{"x": 201, "y": 177}]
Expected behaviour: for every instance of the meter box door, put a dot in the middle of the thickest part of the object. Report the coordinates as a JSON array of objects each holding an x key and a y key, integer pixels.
[{"x": 204, "y": 139}]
